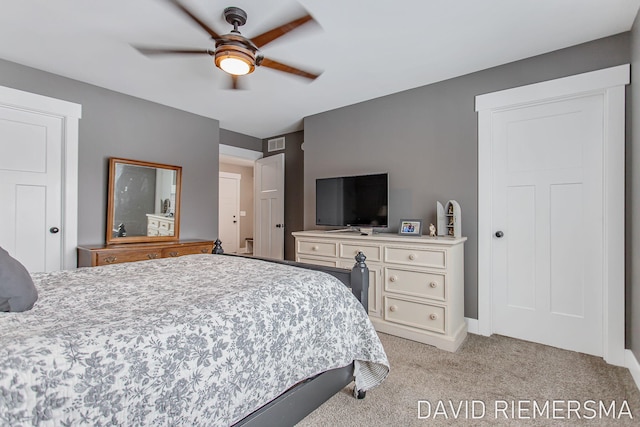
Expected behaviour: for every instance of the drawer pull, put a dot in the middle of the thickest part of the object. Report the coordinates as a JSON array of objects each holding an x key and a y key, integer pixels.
[
  {"x": 110, "y": 259},
  {"x": 173, "y": 253},
  {"x": 393, "y": 278},
  {"x": 433, "y": 285},
  {"x": 433, "y": 316},
  {"x": 204, "y": 250},
  {"x": 393, "y": 308},
  {"x": 315, "y": 248},
  {"x": 152, "y": 256},
  {"x": 412, "y": 257}
]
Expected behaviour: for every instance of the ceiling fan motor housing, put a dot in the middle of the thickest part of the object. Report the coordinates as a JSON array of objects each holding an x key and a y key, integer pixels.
[
  {"x": 238, "y": 47},
  {"x": 235, "y": 16}
]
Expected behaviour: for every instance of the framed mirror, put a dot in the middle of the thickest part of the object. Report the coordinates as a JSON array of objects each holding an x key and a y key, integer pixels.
[{"x": 143, "y": 201}]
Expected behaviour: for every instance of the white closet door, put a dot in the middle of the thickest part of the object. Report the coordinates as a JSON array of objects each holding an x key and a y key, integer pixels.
[
  {"x": 229, "y": 211},
  {"x": 30, "y": 188},
  {"x": 551, "y": 212},
  {"x": 548, "y": 203}
]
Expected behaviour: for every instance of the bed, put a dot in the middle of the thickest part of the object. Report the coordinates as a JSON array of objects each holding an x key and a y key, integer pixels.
[{"x": 210, "y": 340}]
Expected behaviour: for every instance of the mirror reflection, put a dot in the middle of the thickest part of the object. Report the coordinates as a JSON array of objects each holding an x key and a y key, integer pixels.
[{"x": 144, "y": 200}]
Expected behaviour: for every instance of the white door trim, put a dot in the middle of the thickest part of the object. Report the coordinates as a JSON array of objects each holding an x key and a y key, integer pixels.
[
  {"x": 70, "y": 114},
  {"x": 610, "y": 83},
  {"x": 242, "y": 153}
]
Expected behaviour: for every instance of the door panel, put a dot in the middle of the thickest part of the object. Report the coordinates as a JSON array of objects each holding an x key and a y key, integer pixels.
[
  {"x": 547, "y": 187},
  {"x": 30, "y": 222},
  {"x": 229, "y": 215},
  {"x": 521, "y": 266},
  {"x": 567, "y": 254},
  {"x": 269, "y": 203},
  {"x": 30, "y": 188}
]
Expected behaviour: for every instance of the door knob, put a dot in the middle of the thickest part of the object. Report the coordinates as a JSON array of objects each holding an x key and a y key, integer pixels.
[
  {"x": 54, "y": 230},
  {"x": 499, "y": 234}
]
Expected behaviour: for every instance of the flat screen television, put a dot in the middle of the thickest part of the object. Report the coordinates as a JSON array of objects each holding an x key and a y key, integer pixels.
[{"x": 353, "y": 201}]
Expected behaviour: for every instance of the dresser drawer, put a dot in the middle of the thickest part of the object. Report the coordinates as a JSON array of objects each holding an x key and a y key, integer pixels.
[
  {"x": 91, "y": 256},
  {"x": 415, "y": 283},
  {"x": 153, "y": 222},
  {"x": 416, "y": 256},
  {"x": 350, "y": 250},
  {"x": 116, "y": 257},
  {"x": 318, "y": 261},
  {"x": 317, "y": 248},
  {"x": 186, "y": 250},
  {"x": 414, "y": 314}
]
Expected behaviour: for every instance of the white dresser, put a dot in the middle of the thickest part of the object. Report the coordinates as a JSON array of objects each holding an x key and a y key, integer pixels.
[
  {"x": 416, "y": 284},
  {"x": 160, "y": 225}
]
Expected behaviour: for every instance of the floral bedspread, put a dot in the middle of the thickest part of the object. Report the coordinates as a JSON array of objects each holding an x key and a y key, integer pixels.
[{"x": 199, "y": 340}]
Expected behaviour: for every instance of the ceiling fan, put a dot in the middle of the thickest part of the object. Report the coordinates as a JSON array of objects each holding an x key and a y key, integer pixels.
[{"x": 235, "y": 54}]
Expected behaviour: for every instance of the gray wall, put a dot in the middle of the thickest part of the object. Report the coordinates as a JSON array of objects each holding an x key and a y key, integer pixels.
[
  {"x": 633, "y": 198},
  {"x": 426, "y": 138},
  {"x": 240, "y": 140},
  {"x": 117, "y": 125}
]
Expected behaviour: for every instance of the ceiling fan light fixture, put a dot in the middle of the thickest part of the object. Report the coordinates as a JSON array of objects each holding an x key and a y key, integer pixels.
[
  {"x": 235, "y": 66},
  {"x": 235, "y": 60}
]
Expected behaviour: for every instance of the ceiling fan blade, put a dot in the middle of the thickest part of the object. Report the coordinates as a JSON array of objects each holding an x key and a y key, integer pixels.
[
  {"x": 171, "y": 51},
  {"x": 197, "y": 20},
  {"x": 269, "y": 63},
  {"x": 273, "y": 34}
]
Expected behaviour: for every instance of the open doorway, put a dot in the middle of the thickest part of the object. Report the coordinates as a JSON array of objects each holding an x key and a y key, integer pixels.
[{"x": 238, "y": 162}]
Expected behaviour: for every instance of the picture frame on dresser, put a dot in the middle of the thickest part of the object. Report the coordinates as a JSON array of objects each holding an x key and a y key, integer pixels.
[{"x": 410, "y": 227}]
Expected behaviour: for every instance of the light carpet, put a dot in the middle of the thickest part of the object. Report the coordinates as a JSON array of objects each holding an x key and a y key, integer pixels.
[{"x": 489, "y": 381}]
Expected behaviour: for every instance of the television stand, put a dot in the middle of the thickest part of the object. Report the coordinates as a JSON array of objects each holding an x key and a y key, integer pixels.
[{"x": 416, "y": 283}]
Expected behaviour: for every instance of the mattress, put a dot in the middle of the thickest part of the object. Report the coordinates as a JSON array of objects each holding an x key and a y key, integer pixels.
[{"x": 198, "y": 340}]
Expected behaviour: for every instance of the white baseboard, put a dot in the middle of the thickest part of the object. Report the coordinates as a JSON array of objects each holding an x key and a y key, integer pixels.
[
  {"x": 634, "y": 367},
  {"x": 472, "y": 325}
]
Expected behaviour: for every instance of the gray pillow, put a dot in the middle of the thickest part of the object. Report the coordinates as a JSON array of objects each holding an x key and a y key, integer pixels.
[{"x": 17, "y": 291}]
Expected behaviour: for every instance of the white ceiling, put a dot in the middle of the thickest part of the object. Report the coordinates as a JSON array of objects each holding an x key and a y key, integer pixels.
[{"x": 366, "y": 49}]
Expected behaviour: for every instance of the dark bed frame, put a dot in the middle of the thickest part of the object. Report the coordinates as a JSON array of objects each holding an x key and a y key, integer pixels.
[{"x": 303, "y": 398}]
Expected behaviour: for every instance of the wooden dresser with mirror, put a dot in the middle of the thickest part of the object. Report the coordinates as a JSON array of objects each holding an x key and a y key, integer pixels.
[
  {"x": 143, "y": 216},
  {"x": 94, "y": 255}
]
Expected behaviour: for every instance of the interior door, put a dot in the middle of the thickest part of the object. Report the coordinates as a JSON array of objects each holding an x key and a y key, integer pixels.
[
  {"x": 547, "y": 272},
  {"x": 229, "y": 211},
  {"x": 269, "y": 207},
  {"x": 30, "y": 188}
]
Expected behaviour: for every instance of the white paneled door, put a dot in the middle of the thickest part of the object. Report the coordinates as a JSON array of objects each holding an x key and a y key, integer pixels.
[
  {"x": 551, "y": 212},
  {"x": 229, "y": 211},
  {"x": 30, "y": 188},
  {"x": 269, "y": 207},
  {"x": 548, "y": 219}
]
